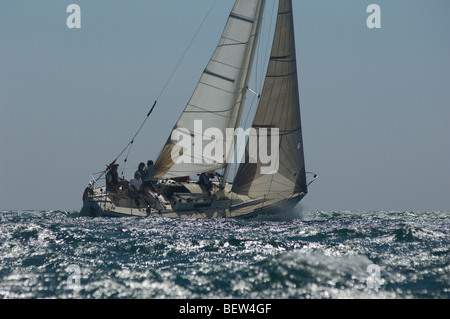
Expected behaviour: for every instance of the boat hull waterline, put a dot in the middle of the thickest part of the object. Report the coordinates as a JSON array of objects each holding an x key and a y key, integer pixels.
[{"x": 204, "y": 206}]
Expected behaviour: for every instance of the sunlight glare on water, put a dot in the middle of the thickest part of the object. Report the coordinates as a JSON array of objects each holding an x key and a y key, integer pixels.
[{"x": 297, "y": 255}]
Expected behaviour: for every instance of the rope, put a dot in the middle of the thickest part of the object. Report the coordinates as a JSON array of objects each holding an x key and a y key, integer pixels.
[
  {"x": 130, "y": 144},
  {"x": 187, "y": 49}
]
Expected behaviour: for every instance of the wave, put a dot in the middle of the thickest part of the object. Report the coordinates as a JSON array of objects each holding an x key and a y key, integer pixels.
[
  {"x": 307, "y": 255},
  {"x": 298, "y": 274}
]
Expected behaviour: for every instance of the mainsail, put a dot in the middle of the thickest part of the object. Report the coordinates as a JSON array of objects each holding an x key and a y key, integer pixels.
[
  {"x": 279, "y": 107},
  {"x": 219, "y": 97}
]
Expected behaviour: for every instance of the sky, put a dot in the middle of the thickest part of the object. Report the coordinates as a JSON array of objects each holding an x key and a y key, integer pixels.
[{"x": 375, "y": 103}]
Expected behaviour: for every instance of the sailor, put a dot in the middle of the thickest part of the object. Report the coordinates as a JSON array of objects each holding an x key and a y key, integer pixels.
[
  {"x": 112, "y": 179},
  {"x": 149, "y": 171},
  {"x": 141, "y": 170},
  {"x": 136, "y": 188},
  {"x": 204, "y": 180}
]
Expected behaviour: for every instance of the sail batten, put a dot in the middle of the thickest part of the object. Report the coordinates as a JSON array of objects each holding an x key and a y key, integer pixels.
[{"x": 241, "y": 17}]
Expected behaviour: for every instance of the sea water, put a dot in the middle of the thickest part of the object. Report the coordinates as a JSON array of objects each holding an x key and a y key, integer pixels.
[{"x": 56, "y": 254}]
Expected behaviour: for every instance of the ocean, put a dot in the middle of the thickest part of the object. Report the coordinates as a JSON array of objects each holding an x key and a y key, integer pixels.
[{"x": 299, "y": 255}]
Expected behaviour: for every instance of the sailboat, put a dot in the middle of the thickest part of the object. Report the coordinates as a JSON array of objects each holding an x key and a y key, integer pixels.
[{"x": 216, "y": 106}]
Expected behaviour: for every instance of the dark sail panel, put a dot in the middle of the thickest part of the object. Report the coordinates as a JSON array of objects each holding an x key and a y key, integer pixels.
[{"x": 279, "y": 107}]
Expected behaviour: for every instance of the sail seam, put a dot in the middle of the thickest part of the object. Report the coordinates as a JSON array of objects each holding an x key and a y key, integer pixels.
[
  {"x": 202, "y": 110},
  {"x": 216, "y": 87},
  {"x": 287, "y": 132},
  {"x": 226, "y": 64}
]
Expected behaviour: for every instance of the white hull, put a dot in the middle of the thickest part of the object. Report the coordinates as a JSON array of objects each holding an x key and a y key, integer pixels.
[{"x": 199, "y": 205}]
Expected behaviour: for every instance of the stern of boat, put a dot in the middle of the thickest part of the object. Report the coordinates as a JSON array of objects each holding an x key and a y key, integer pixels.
[{"x": 91, "y": 208}]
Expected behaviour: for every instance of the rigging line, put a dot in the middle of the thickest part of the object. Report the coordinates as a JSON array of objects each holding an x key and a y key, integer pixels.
[
  {"x": 131, "y": 142},
  {"x": 162, "y": 91},
  {"x": 263, "y": 52},
  {"x": 273, "y": 17},
  {"x": 125, "y": 161},
  {"x": 245, "y": 125},
  {"x": 139, "y": 130},
  {"x": 273, "y": 175},
  {"x": 187, "y": 49}
]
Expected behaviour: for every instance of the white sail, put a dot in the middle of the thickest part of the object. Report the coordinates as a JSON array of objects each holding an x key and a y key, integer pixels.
[{"x": 218, "y": 98}]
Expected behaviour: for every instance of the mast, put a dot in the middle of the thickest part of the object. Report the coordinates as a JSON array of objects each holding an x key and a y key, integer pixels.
[{"x": 279, "y": 107}]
